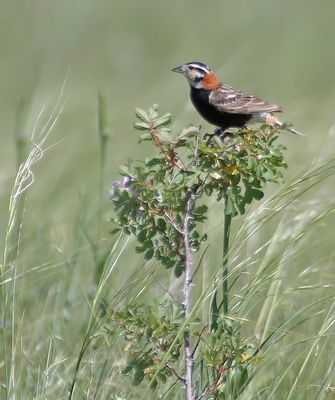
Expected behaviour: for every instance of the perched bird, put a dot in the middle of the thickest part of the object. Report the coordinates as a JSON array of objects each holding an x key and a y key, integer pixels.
[{"x": 223, "y": 106}]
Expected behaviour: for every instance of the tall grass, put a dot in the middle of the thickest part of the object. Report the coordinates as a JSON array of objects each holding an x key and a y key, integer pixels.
[{"x": 12, "y": 321}]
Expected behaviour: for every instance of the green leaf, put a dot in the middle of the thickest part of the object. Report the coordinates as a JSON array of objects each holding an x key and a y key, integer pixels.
[
  {"x": 138, "y": 375},
  {"x": 240, "y": 203},
  {"x": 191, "y": 181},
  {"x": 141, "y": 126},
  {"x": 151, "y": 232},
  {"x": 187, "y": 132},
  {"x": 127, "y": 370},
  {"x": 251, "y": 163},
  {"x": 208, "y": 190},
  {"x": 149, "y": 254},
  {"x": 150, "y": 162},
  {"x": 230, "y": 208},
  {"x": 179, "y": 178},
  {"x": 201, "y": 209},
  {"x": 142, "y": 236},
  {"x": 247, "y": 194},
  {"x": 161, "y": 224},
  {"x": 204, "y": 238},
  {"x": 148, "y": 244},
  {"x": 257, "y": 194},
  {"x": 145, "y": 136},
  {"x": 126, "y": 171},
  {"x": 163, "y": 136},
  {"x": 275, "y": 151},
  {"x": 140, "y": 249},
  {"x": 153, "y": 112},
  {"x": 162, "y": 121},
  {"x": 194, "y": 246},
  {"x": 178, "y": 271},
  {"x": 142, "y": 115}
]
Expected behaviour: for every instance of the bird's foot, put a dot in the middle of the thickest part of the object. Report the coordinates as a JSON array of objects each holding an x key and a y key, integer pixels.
[{"x": 220, "y": 133}]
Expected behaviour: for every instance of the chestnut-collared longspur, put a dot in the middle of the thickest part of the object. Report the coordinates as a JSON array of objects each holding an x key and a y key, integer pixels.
[{"x": 223, "y": 106}]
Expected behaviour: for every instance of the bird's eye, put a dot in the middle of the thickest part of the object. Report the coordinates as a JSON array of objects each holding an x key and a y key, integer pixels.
[{"x": 190, "y": 67}]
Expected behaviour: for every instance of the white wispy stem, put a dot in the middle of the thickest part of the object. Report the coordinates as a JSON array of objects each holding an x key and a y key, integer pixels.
[{"x": 189, "y": 361}]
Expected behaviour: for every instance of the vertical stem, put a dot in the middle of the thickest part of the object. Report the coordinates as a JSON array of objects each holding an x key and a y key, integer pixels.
[
  {"x": 215, "y": 307},
  {"x": 20, "y": 139},
  {"x": 226, "y": 232},
  {"x": 189, "y": 362},
  {"x": 104, "y": 139}
]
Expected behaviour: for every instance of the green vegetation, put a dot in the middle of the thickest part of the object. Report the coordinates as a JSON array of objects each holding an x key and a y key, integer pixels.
[
  {"x": 157, "y": 201},
  {"x": 62, "y": 272}
]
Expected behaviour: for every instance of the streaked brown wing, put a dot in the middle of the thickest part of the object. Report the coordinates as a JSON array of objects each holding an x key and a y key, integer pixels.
[{"x": 233, "y": 101}]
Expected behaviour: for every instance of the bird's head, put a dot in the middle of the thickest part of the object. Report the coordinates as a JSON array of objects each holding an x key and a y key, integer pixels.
[{"x": 199, "y": 75}]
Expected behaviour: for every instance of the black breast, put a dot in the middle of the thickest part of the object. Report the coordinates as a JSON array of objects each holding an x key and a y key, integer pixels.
[{"x": 212, "y": 115}]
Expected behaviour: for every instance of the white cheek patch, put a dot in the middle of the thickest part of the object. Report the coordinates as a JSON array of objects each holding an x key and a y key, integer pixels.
[
  {"x": 195, "y": 77},
  {"x": 193, "y": 74}
]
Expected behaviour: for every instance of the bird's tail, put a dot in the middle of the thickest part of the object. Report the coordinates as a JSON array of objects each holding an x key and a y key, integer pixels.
[{"x": 288, "y": 127}]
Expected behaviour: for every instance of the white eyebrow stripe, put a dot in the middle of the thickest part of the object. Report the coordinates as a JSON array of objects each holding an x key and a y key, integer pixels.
[{"x": 197, "y": 66}]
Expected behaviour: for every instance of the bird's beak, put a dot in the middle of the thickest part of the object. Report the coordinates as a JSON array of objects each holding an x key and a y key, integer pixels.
[{"x": 180, "y": 70}]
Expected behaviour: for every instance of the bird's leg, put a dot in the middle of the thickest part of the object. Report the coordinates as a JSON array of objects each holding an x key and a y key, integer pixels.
[
  {"x": 208, "y": 138},
  {"x": 221, "y": 133},
  {"x": 217, "y": 132}
]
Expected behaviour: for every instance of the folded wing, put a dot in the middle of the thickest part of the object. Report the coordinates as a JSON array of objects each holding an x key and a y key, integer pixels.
[{"x": 230, "y": 100}]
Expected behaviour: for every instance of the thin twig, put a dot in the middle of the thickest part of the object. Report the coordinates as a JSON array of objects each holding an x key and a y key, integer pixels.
[
  {"x": 226, "y": 233},
  {"x": 214, "y": 386},
  {"x": 167, "y": 291},
  {"x": 198, "y": 341},
  {"x": 173, "y": 223},
  {"x": 167, "y": 364},
  {"x": 170, "y": 154},
  {"x": 215, "y": 307},
  {"x": 170, "y": 388},
  {"x": 175, "y": 373},
  {"x": 196, "y": 147},
  {"x": 155, "y": 138},
  {"x": 200, "y": 261}
]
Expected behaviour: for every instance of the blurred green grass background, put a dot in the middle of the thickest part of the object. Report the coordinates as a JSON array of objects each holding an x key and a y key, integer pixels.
[{"x": 282, "y": 51}]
